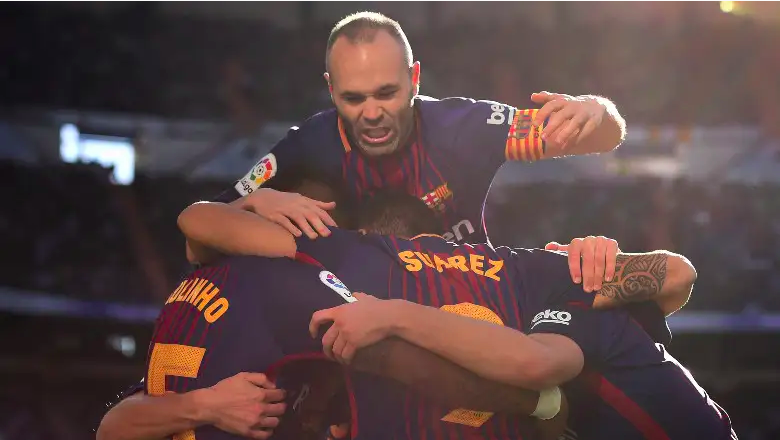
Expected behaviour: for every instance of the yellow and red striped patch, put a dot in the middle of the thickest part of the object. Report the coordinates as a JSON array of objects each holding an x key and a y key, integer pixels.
[{"x": 524, "y": 141}]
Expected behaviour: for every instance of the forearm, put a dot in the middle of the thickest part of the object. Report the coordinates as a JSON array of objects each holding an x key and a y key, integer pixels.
[
  {"x": 230, "y": 230},
  {"x": 143, "y": 417},
  {"x": 441, "y": 380},
  {"x": 659, "y": 276},
  {"x": 491, "y": 351},
  {"x": 607, "y": 136}
]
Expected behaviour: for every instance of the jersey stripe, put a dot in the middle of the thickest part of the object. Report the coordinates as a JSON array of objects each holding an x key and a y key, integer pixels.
[{"x": 626, "y": 407}]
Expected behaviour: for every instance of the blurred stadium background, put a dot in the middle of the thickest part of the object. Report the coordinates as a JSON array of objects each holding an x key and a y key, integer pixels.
[{"x": 115, "y": 116}]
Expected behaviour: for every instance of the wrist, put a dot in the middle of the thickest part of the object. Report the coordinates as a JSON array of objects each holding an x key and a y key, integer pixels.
[
  {"x": 197, "y": 407},
  {"x": 397, "y": 316}
]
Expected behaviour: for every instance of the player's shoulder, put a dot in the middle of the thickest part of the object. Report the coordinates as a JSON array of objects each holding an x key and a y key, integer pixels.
[
  {"x": 317, "y": 127},
  {"x": 535, "y": 262}
]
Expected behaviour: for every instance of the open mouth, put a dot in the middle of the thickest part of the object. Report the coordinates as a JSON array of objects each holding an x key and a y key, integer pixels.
[{"x": 376, "y": 136}]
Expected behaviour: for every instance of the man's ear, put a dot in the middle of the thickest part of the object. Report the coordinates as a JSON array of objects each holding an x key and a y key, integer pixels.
[{"x": 330, "y": 86}]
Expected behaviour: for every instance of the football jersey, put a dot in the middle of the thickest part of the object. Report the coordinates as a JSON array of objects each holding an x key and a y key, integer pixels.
[
  {"x": 251, "y": 314},
  {"x": 467, "y": 280},
  {"x": 456, "y": 148},
  {"x": 630, "y": 388}
]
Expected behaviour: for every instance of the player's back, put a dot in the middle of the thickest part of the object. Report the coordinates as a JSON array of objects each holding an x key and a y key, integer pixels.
[
  {"x": 248, "y": 314},
  {"x": 467, "y": 280},
  {"x": 630, "y": 387}
]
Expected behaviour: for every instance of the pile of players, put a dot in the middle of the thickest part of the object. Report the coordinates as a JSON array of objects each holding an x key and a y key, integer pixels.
[{"x": 269, "y": 337}]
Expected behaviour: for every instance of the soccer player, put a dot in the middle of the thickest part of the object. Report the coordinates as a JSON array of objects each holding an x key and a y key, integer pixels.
[
  {"x": 252, "y": 314},
  {"x": 619, "y": 383},
  {"x": 503, "y": 286},
  {"x": 383, "y": 134}
]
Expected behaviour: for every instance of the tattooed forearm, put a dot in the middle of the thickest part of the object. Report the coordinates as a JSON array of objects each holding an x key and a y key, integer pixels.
[{"x": 638, "y": 277}]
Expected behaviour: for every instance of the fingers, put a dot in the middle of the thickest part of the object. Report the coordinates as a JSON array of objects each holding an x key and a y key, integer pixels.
[
  {"x": 286, "y": 224},
  {"x": 588, "y": 263},
  {"x": 274, "y": 410},
  {"x": 360, "y": 295},
  {"x": 571, "y": 128},
  {"x": 328, "y": 340},
  {"x": 600, "y": 258},
  {"x": 319, "y": 318},
  {"x": 338, "y": 347},
  {"x": 611, "y": 259},
  {"x": 587, "y": 129},
  {"x": 258, "y": 434},
  {"x": 553, "y": 246},
  {"x": 259, "y": 379},
  {"x": 302, "y": 222},
  {"x": 557, "y": 121},
  {"x": 547, "y": 110},
  {"x": 575, "y": 262},
  {"x": 324, "y": 205},
  {"x": 348, "y": 353},
  {"x": 268, "y": 422},
  {"x": 274, "y": 395}
]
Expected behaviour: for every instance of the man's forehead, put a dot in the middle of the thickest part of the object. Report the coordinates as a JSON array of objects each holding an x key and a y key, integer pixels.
[{"x": 366, "y": 64}]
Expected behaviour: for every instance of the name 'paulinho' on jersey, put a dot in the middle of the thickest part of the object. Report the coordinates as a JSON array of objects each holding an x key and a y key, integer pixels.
[
  {"x": 251, "y": 314},
  {"x": 457, "y": 146}
]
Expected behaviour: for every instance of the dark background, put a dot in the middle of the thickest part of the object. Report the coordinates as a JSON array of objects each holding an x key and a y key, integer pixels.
[{"x": 86, "y": 262}]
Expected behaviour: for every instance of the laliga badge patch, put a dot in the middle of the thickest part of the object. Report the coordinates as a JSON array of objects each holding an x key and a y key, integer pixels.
[
  {"x": 262, "y": 172},
  {"x": 336, "y": 285}
]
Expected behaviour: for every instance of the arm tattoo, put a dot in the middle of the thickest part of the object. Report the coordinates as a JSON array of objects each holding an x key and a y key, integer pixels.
[{"x": 638, "y": 277}]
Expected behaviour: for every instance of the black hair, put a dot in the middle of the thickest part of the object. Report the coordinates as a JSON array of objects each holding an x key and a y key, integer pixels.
[
  {"x": 310, "y": 182},
  {"x": 397, "y": 213}
]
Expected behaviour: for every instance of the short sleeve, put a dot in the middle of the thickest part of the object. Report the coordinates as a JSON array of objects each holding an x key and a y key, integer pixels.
[
  {"x": 499, "y": 132},
  {"x": 285, "y": 155},
  {"x": 573, "y": 320}
]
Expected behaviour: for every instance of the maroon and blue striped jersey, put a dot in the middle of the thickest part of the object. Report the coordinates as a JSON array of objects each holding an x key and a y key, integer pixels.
[
  {"x": 250, "y": 314},
  {"x": 457, "y": 146},
  {"x": 631, "y": 388}
]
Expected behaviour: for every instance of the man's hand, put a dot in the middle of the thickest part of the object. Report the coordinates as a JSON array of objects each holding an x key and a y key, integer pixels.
[
  {"x": 292, "y": 211},
  {"x": 571, "y": 119},
  {"x": 246, "y": 404},
  {"x": 355, "y": 325},
  {"x": 592, "y": 260}
]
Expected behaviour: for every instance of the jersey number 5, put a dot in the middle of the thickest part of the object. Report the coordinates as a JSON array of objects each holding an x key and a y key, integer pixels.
[
  {"x": 466, "y": 416},
  {"x": 173, "y": 360}
]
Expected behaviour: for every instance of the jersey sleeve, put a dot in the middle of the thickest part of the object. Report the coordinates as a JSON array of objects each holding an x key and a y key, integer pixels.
[
  {"x": 574, "y": 320},
  {"x": 499, "y": 132},
  {"x": 286, "y": 154},
  {"x": 545, "y": 274}
]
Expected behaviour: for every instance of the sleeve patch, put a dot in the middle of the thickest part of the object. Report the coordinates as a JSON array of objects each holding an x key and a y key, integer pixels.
[{"x": 262, "y": 172}]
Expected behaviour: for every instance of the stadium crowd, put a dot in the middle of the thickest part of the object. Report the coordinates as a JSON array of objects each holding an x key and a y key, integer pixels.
[{"x": 199, "y": 68}]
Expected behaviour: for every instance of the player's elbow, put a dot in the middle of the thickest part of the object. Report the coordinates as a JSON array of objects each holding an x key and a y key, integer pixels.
[
  {"x": 556, "y": 360},
  {"x": 680, "y": 277},
  {"x": 188, "y": 219}
]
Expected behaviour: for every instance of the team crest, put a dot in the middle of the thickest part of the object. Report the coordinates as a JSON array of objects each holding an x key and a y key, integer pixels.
[
  {"x": 522, "y": 125},
  {"x": 262, "y": 172},
  {"x": 336, "y": 285},
  {"x": 435, "y": 199}
]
